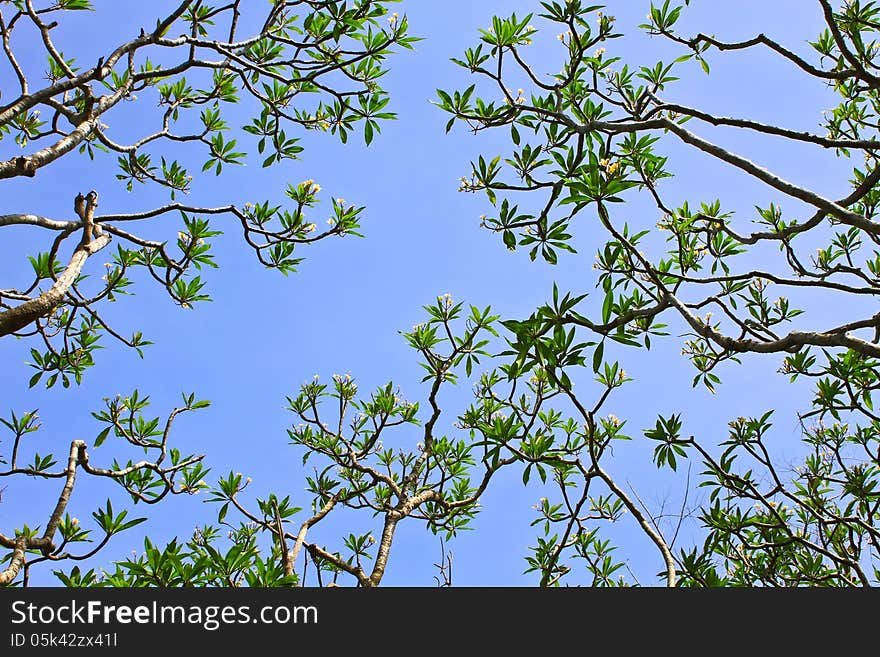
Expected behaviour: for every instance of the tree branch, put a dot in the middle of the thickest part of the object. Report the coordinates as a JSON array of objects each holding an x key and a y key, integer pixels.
[{"x": 20, "y": 316}]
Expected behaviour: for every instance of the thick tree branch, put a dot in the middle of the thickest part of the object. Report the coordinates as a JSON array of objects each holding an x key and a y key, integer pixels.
[
  {"x": 35, "y": 220},
  {"x": 20, "y": 316},
  {"x": 839, "y": 337},
  {"x": 8, "y": 575},
  {"x": 771, "y": 179}
]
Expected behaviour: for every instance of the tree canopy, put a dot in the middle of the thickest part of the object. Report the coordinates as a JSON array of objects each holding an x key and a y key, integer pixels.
[{"x": 598, "y": 159}]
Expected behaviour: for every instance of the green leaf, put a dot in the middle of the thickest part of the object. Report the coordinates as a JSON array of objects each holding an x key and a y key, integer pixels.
[
  {"x": 607, "y": 305},
  {"x": 509, "y": 239},
  {"x": 102, "y": 437},
  {"x": 597, "y": 356}
]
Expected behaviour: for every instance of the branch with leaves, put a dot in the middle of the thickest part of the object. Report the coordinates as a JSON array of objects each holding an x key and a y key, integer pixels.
[
  {"x": 590, "y": 137},
  {"x": 308, "y": 66},
  {"x": 165, "y": 470},
  {"x": 597, "y": 127},
  {"x": 430, "y": 481}
]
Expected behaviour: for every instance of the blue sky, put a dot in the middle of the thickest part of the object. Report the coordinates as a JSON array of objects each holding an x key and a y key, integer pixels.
[{"x": 264, "y": 335}]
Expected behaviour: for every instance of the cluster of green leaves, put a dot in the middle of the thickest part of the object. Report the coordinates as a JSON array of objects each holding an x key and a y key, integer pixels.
[
  {"x": 530, "y": 427},
  {"x": 205, "y": 560},
  {"x": 813, "y": 525},
  {"x": 124, "y": 418},
  {"x": 161, "y": 469},
  {"x": 327, "y": 51}
]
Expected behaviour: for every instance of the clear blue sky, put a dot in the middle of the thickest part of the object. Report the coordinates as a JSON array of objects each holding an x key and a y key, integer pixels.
[{"x": 264, "y": 334}]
